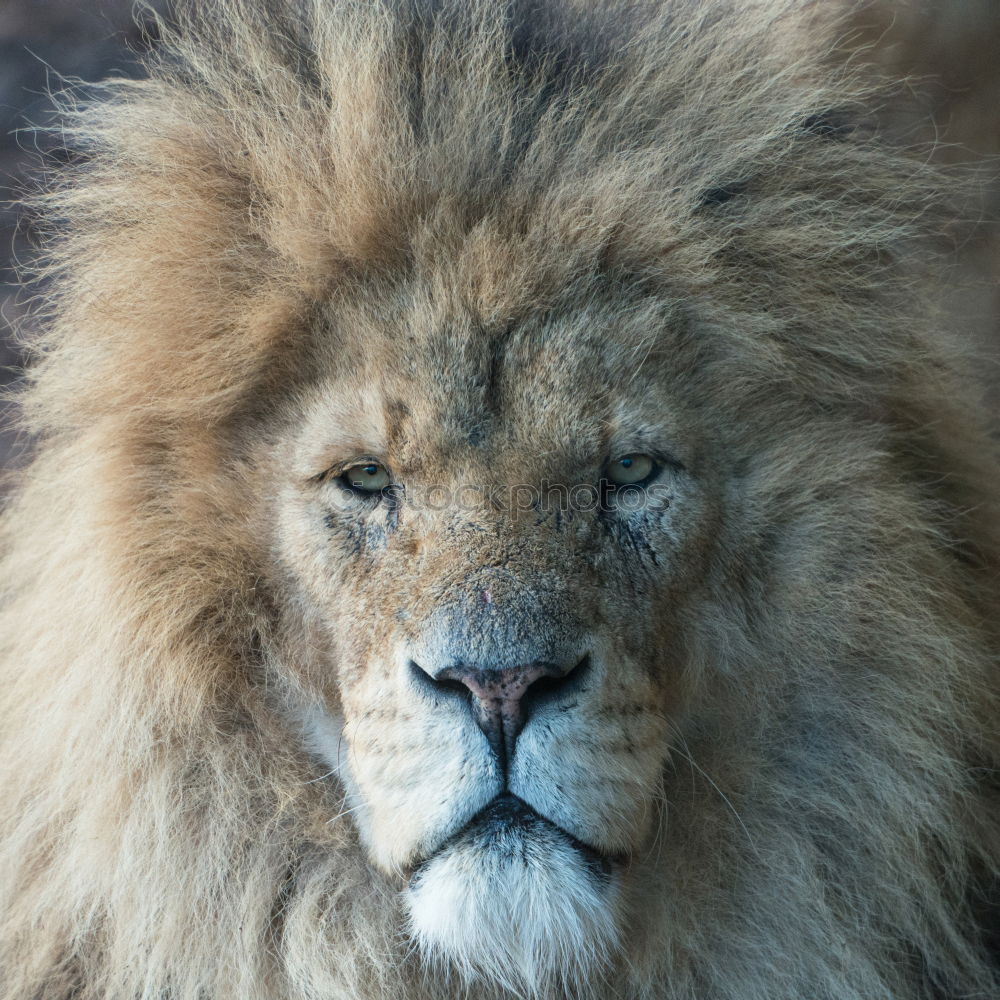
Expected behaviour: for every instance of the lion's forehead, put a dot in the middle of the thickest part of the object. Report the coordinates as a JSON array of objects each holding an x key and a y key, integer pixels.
[{"x": 444, "y": 394}]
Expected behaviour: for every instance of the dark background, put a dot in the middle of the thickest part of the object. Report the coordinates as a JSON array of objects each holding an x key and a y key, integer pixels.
[
  {"x": 952, "y": 47},
  {"x": 42, "y": 42}
]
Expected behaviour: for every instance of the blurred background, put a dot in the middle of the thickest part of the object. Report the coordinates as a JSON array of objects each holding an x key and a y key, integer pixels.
[
  {"x": 42, "y": 41},
  {"x": 950, "y": 49}
]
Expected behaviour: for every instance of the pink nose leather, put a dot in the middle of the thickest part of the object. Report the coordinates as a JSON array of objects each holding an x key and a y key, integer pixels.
[
  {"x": 499, "y": 693},
  {"x": 497, "y": 697}
]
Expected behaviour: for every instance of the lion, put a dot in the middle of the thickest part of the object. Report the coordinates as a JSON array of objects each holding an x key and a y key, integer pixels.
[{"x": 504, "y": 521}]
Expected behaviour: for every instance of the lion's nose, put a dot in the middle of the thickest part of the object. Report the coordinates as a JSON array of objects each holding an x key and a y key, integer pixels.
[{"x": 501, "y": 699}]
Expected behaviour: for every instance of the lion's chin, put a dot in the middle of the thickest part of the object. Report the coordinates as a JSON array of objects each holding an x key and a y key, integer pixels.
[{"x": 514, "y": 900}]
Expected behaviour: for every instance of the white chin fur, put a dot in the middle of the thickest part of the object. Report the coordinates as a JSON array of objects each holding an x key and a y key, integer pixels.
[{"x": 517, "y": 905}]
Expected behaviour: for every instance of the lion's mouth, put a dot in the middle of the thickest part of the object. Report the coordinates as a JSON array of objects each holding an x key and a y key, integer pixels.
[{"x": 507, "y": 824}]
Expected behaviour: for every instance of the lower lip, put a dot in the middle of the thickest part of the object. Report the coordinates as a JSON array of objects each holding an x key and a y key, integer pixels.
[{"x": 506, "y": 813}]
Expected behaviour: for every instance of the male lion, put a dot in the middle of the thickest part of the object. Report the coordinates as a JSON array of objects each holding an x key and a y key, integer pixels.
[{"x": 504, "y": 523}]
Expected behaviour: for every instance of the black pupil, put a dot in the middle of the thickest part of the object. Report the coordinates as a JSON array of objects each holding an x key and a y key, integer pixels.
[
  {"x": 627, "y": 463},
  {"x": 370, "y": 470}
]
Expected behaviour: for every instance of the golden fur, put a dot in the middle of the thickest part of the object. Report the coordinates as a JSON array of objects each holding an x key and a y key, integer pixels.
[{"x": 501, "y": 235}]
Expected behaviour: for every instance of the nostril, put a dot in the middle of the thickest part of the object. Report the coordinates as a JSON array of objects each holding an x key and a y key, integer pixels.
[
  {"x": 555, "y": 685},
  {"x": 436, "y": 684},
  {"x": 450, "y": 684}
]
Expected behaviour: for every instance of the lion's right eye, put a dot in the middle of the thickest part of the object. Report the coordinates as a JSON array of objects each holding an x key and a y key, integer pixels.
[
  {"x": 366, "y": 477},
  {"x": 630, "y": 470}
]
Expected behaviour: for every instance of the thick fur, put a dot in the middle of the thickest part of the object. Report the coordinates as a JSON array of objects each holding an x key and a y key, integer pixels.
[
  {"x": 546, "y": 922},
  {"x": 801, "y": 770}
]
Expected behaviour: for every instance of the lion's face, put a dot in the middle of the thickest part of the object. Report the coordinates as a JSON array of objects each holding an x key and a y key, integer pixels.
[{"x": 492, "y": 607}]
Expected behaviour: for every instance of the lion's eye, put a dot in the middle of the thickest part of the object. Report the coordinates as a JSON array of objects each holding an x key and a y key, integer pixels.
[
  {"x": 630, "y": 469},
  {"x": 366, "y": 477}
]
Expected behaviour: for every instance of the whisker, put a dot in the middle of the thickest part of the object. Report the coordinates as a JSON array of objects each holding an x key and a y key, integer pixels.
[
  {"x": 322, "y": 777},
  {"x": 343, "y": 813},
  {"x": 686, "y": 754}
]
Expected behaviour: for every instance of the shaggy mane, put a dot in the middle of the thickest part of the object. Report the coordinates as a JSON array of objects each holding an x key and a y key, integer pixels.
[{"x": 161, "y": 835}]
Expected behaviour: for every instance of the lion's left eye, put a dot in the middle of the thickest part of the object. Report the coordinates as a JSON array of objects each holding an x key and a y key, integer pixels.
[
  {"x": 366, "y": 477},
  {"x": 630, "y": 469}
]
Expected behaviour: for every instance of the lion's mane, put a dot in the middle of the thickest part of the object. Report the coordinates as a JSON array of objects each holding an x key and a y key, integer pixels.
[{"x": 161, "y": 833}]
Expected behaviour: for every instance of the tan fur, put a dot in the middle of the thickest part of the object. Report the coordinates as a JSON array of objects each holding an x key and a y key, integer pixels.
[{"x": 328, "y": 229}]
